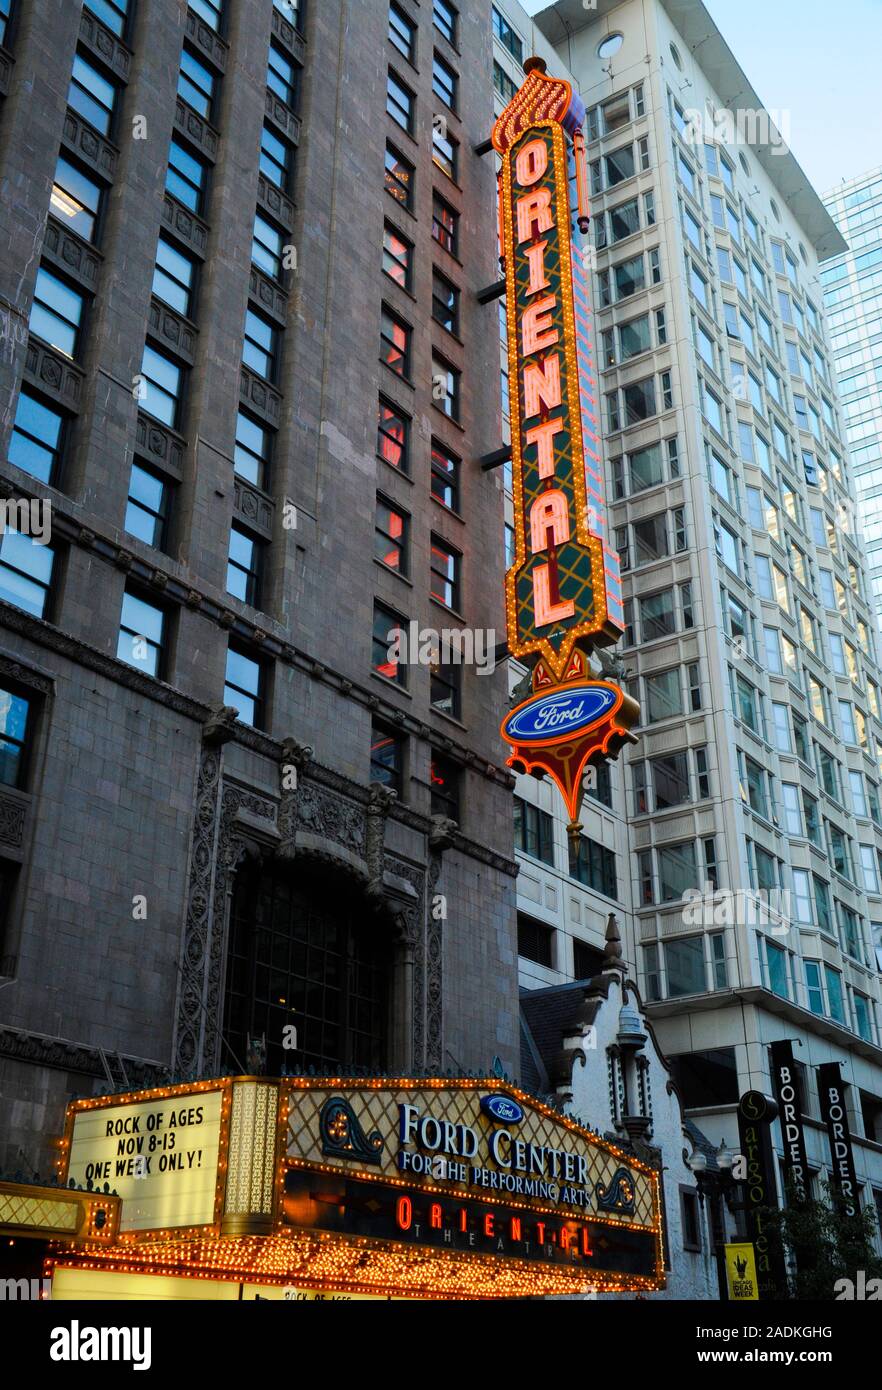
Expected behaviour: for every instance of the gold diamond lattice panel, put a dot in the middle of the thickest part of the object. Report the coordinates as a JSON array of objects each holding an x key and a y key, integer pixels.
[{"x": 39, "y": 1213}]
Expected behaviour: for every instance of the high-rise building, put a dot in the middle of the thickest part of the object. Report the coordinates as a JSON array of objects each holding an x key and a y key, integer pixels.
[
  {"x": 244, "y": 367},
  {"x": 853, "y": 301},
  {"x": 740, "y": 841}
]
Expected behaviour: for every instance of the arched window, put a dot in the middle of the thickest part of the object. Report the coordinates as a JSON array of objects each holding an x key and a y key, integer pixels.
[{"x": 304, "y": 949}]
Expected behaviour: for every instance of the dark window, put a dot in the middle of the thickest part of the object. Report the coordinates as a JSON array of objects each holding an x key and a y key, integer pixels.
[
  {"x": 445, "y": 151},
  {"x": 244, "y": 686},
  {"x": 393, "y": 436},
  {"x": 445, "y": 224},
  {"x": 444, "y": 82},
  {"x": 535, "y": 941},
  {"x": 25, "y": 572},
  {"x": 507, "y": 36},
  {"x": 147, "y": 510},
  {"x": 113, "y": 13},
  {"x": 391, "y": 536},
  {"x": 504, "y": 85},
  {"x": 445, "y": 476},
  {"x": 76, "y": 199},
  {"x": 209, "y": 10},
  {"x": 15, "y": 711},
  {"x": 444, "y": 17},
  {"x": 275, "y": 158},
  {"x": 397, "y": 256},
  {"x": 141, "y": 634},
  {"x": 244, "y": 566},
  {"x": 161, "y": 384},
  {"x": 670, "y": 780},
  {"x": 444, "y": 777},
  {"x": 395, "y": 336},
  {"x": 37, "y": 437},
  {"x": 689, "y": 1211},
  {"x": 92, "y": 95},
  {"x": 388, "y": 630},
  {"x": 174, "y": 277},
  {"x": 196, "y": 84},
  {"x": 445, "y": 574},
  {"x": 400, "y": 102},
  {"x": 601, "y": 785},
  {"x": 533, "y": 831},
  {"x": 251, "y": 454},
  {"x": 292, "y": 10},
  {"x": 446, "y": 387},
  {"x": 595, "y": 866},
  {"x": 619, "y": 165},
  {"x": 267, "y": 246},
  {"x": 399, "y": 177},
  {"x": 706, "y": 1078},
  {"x": 445, "y": 302},
  {"x": 402, "y": 32},
  {"x": 56, "y": 313},
  {"x": 387, "y": 758},
  {"x": 446, "y": 687},
  {"x": 281, "y": 76},
  {"x": 587, "y": 961},
  {"x": 261, "y": 348},
  {"x": 306, "y": 953},
  {"x": 186, "y": 178}
]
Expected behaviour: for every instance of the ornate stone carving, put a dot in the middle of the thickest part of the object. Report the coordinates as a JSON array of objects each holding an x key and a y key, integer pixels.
[
  {"x": 14, "y": 671},
  {"x": 53, "y": 373},
  {"x": 294, "y": 759},
  {"x": 332, "y": 818},
  {"x": 189, "y": 1024},
  {"x": 253, "y": 506},
  {"x": 203, "y": 136},
  {"x": 289, "y": 36},
  {"x": 268, "y": 294},
  {"x": 205, "y": 38},
  {"x": 96, "y": 152},
  {"x": 159, "y": 444},
  {"x": 44, "y": 1051},
  {"x": 190, "y": 228},
  {"x": 220, "y": 726},
  {"x": 105, "y": 44},
  {"x": 273, "y": 201},
  {"x": 259, "y": 396},
  {"x": 13, "y": 818},
  {"x": 173, "y": 329},
  {"x": 76, "y": 259}
]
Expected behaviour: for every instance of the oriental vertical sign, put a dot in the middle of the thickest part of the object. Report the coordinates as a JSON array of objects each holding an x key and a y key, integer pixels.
[{"x": 563, "y": 591}]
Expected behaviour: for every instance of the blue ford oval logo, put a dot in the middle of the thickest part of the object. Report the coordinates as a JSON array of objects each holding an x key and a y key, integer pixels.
[
  {"x": 560, "y": 713},
  {"x": 502, "y": 1108}
]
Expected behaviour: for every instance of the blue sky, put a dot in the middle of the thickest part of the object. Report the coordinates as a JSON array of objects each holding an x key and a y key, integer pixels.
[{"x": 819, "y": 61}]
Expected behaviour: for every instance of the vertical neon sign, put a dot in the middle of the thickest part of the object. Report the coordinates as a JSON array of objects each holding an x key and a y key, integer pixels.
[{"x": 563, "y": 591}]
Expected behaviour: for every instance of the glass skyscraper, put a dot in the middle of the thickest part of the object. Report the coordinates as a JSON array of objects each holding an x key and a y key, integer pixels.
[{"x": 853, "y": 297}]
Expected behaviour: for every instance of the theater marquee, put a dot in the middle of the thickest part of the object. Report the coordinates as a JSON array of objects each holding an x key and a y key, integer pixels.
[
  {"x": 413, "y": 1188},
  {"x": 563, "y": 591}
]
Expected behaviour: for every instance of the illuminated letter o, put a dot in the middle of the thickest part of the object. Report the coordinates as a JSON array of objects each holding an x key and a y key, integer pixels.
[
  {"x": 404, "y": 1213},
  {"x": 531, "y": 163}
]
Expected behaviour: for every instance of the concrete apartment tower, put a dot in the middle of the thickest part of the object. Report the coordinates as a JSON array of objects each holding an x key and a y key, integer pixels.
[
  {"x": 854, "y": 321},
  {"x": 245, "y": 362},
  {"x": 752, "y": 644}
]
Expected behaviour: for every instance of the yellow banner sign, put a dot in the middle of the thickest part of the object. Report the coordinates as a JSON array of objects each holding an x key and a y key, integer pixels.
[{"x": 741, "y": 1274}]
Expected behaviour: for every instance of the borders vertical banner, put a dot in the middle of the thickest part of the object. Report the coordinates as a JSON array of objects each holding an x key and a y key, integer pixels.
[
  {"x": 835, "y": 1117},
  {"x": 788, "y": 1094}
]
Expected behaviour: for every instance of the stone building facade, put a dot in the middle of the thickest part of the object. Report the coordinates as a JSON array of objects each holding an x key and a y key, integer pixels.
[{"x": 241, "y": 521}]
